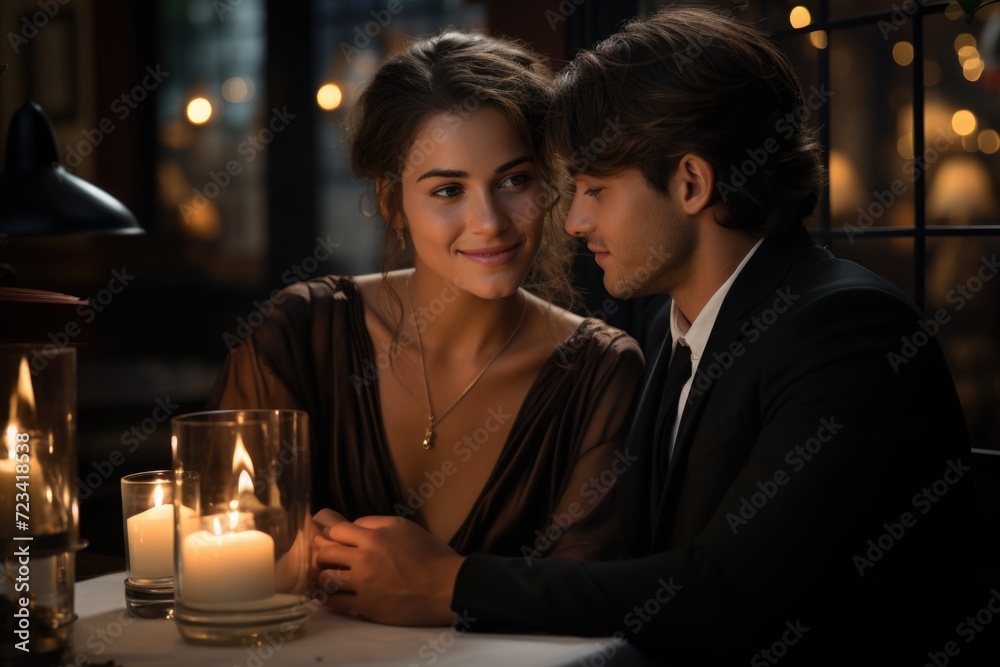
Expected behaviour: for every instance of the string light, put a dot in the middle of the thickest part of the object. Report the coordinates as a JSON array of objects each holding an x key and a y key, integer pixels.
[
  {"x": 329, "y": 96},
  {"x": 799, "y": 17},
  {"x": 199, "y": 110}
]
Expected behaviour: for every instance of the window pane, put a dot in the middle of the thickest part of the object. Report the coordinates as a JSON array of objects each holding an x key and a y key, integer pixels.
[
  {"x": 871, "y": 176},
  {"x": 212, "y": 119},
  {"x": 963, "y": 144},
  {"x": 891, "y": 258},
  {"x": 963, "y": 291}
]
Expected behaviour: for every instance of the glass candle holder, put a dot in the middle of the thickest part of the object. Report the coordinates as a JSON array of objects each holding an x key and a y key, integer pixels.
[
  {"x": 39, "y": 530},
  {"x": 241, "y": 542},
  {"x": 148, "y": 517}
]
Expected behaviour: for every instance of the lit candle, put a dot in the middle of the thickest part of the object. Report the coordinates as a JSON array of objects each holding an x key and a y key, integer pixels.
[
  {"x": 227, "y": 566},
  {"x": 18, "y": 441},
  {"x": 8, "y": 492},
  {"x": 151, "y": 539}
]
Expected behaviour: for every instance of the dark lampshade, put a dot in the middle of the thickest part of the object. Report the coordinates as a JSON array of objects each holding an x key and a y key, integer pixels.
[{"x": 38, "y": 197}]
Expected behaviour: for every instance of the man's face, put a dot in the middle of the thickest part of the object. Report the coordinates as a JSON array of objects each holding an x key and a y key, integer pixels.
[{"x": 638, "y": 236}]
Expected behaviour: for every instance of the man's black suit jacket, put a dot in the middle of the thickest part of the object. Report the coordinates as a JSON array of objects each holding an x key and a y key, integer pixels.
[{"x": 818, "y": 507}]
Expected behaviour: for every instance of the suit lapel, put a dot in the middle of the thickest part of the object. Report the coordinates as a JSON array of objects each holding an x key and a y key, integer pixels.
[{"x": 760, "y": 278}]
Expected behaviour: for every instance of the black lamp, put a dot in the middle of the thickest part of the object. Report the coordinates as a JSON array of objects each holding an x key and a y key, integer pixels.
[{"x": 38, "y": 197}]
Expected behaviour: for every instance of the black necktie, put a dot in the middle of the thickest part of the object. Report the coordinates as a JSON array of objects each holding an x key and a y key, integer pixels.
[{"x": 678, "y": 373}]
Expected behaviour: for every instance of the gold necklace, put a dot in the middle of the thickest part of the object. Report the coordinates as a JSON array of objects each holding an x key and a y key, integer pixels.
[{"x": 428, "y": 441}]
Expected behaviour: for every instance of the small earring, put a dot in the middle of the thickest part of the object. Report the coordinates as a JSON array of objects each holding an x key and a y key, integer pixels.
[{"x": 402, "y": 239}]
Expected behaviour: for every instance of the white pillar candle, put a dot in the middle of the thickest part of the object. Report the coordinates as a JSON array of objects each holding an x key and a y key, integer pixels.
[
  {"x": 151, "y": 540},
  {"x": 39, "y": 518},
  {"x": 227, "y": 566},
  {"x": 8, "y": 492}
]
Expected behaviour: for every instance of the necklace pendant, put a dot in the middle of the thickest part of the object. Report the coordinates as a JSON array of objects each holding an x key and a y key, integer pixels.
[{"x": 428, "y": 438}]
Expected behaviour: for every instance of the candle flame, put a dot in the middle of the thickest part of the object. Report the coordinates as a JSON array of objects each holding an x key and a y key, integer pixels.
[
  {"x": 233, "y": 521},
  {"x": 21, "y": 401},
  {"x": 245, "y": 484},
  {"x": 158, "y": 495},
  {"x": 241, "y": 458},
  {"x": 25, "y": 392}
]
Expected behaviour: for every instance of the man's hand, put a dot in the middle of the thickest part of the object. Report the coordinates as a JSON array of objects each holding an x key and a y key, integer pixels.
[{"x": 385, "y": 568}]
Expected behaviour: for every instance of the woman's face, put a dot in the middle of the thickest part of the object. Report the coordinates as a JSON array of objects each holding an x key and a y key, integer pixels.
[{"x": 473, "y": 202}]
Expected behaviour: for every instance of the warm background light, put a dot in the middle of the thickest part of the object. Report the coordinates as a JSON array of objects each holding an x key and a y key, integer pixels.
[
  {"x": 961, "y": 191},
  {"x": 799, "y": 17},
  {"x": 989, "y": 141},
  {"x": 902, "y": 53},
  {"x": 238, "y": 89},
  {"x": 846, "y": 193},
  {"x": 904, "y": 146},
  {"x": 819, "y": 39},
  {"x": 965, "y": 39},
  {"x": 199, "y": 110},
  {"x": 329, "y": 96},
  {"x": 963, "y": 122}
]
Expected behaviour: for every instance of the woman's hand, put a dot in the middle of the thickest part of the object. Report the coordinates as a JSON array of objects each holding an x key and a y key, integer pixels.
[{"x": 385, "y": 568}]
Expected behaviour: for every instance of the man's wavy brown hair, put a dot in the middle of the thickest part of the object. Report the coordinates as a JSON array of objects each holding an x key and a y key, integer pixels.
[{"x": 693, "y": 80}]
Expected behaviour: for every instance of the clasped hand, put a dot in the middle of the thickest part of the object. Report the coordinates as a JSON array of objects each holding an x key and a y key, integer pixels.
[{"x": 385, "y": 568}]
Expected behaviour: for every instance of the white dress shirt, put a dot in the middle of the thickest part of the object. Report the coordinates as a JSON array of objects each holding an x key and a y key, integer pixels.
[{"x": 695, "y": 334}]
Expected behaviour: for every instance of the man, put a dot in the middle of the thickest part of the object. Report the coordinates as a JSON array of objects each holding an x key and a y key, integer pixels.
[{"x": 813, "y": 501}]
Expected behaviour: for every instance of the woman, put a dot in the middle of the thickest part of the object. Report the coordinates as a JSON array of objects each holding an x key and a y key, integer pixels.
[{"x": 447, "y": 393}]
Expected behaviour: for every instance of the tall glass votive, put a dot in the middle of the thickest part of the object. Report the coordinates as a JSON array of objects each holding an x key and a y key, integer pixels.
[
  {"x": 39, "y": 528},
  {"x": 148, "y": 517},
  {"x": 241, "y": 544}
]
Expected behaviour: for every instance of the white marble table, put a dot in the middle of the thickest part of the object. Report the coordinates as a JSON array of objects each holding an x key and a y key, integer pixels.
[{"x": 105, "y": 633}]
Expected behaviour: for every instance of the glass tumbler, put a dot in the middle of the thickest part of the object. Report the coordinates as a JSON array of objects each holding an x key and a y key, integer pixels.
[{"x": 241, "y": 529}]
